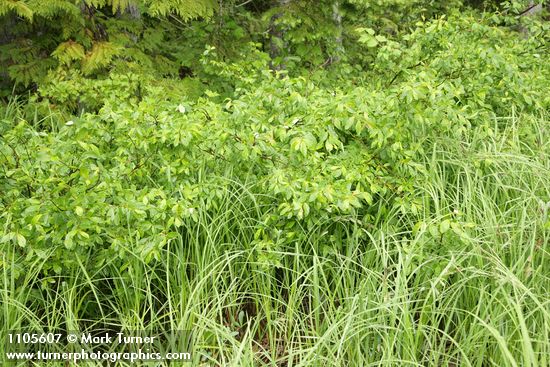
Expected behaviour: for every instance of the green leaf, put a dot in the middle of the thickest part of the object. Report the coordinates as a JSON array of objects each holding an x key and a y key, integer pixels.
[
  {"x": 7, "y": 237},
  {"x": 21, "y": 240},
  {"x": 303, "y": 143},
  {"x": 444, "y": 226},
  {"x": 69, "y": 51},
  {"x": 68, "y": 242},
  {"x": 21, "y": 9},
  {"x": 101, "y": 55}
]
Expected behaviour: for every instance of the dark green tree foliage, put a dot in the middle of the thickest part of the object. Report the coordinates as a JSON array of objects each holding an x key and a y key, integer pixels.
[
  {"x": 89, "y": 36},
  {"x": 160, "y": 38}
]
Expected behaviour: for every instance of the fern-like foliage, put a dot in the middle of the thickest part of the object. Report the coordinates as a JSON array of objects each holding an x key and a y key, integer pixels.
[
  {"x": 19, "y": 7},
  {"x": 52, "y": 8},
  {"x": 185, "y": 9},
  {"x": 89, "y": 35},
  {"x": 101, "y": 55},
  {"x": 69, "y": 51},
  {"x": 115, "y": 5}
]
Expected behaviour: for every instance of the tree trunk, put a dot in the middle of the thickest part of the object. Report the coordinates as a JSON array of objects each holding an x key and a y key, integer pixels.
[
  {"x": 337, "y": 19},
  {"x": 7, "y": 24},
  {"x": 133, "y": 11},
  {"x": 277, "y": 35},
  {"x": 532, "y": 10}
]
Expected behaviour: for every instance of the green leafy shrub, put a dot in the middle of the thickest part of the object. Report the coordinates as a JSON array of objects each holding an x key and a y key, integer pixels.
[
  {"x": 132, "y": 172},
  {"x": 94, "y": 175}
]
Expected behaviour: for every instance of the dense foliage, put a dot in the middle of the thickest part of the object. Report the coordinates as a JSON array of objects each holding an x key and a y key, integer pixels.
[{"x": 363, "y": 163}]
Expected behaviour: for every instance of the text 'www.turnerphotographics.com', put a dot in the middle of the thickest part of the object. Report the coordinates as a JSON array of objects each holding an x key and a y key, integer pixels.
[{"x": 111, "y": 346}]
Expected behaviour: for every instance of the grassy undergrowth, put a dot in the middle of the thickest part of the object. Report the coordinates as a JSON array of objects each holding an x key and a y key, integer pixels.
[{"x": 462, "y": 283}]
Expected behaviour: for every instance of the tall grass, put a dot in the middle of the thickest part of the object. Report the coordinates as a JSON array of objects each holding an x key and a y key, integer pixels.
[{"x": 386, "y": 295}]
